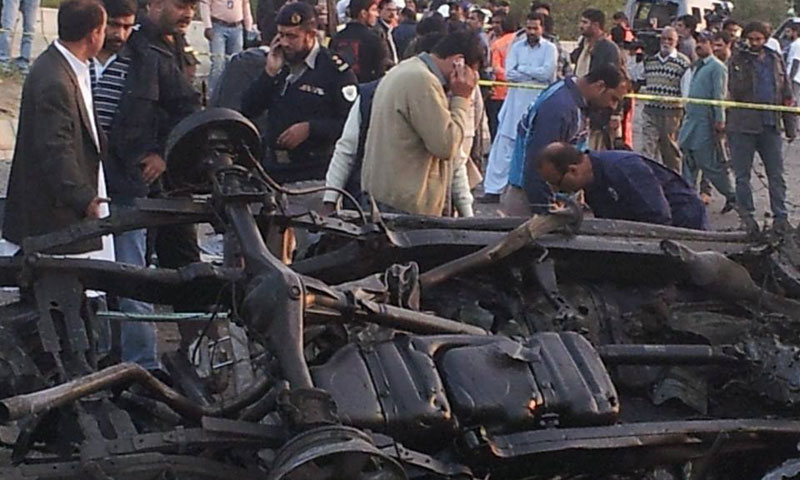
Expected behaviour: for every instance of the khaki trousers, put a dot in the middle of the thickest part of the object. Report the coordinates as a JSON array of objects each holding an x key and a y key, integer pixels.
[{"x": 660, "y": 136}]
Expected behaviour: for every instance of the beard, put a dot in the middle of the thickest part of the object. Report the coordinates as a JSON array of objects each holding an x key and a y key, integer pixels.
[
  {"x": 113, "y": 45},
  {"x": 297, "y": 57}
]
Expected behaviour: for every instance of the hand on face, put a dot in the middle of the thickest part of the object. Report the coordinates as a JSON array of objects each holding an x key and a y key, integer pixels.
[
  {"x": 275, "y": 57},
  {"x": 462, "y": 80}
]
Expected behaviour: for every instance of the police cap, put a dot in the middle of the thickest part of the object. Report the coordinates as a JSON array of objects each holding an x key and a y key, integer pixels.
[{"x": 294, "y": 14}]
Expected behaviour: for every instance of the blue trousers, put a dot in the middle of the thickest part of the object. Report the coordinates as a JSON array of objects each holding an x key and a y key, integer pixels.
[
  {"x": 769, "y": 146},
  {"x": 9, "y": 18},
  {"x": 227, "y": 41},
  {"x": 137, "y": 339}
]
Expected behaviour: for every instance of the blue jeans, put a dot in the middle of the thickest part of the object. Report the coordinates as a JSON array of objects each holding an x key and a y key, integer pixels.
[
  {"x": 227, "y": 41},
  {"x": 769, "y": 146},
  {"x": 9, "y": 18},
  {"x": 137, "y": 339}
]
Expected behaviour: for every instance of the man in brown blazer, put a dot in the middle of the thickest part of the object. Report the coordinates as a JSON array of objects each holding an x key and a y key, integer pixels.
[{"x": 54, "y": 173}]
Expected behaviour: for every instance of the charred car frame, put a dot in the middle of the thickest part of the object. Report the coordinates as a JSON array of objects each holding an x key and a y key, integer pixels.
[{"x": 404, "y": 347}]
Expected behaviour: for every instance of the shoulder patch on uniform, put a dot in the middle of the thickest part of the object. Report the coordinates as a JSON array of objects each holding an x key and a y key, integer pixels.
[
  {"x": 341, "y": 65},
  {"x": 350, "y": 92}
]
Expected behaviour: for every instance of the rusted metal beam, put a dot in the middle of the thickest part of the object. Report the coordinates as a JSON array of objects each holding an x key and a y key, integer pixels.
[
  {"x": 517, "y": 239},
  {"x": 14, "y": 408}
]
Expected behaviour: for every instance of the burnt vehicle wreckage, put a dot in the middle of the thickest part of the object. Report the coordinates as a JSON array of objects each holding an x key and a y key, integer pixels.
[{"x": 406, "y": 347}]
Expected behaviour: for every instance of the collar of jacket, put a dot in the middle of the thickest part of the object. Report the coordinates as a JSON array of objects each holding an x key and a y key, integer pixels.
[
  {"x": 672, "y": 54},
  {"x": 311, "y": 59},
  {"x": 752, "y": 56},
  {"x": 428, "y": 61},
  {"x": 150, "y": 30},
  {"x": 703, "y": 61},
  {"x": 569, "y": 83}
]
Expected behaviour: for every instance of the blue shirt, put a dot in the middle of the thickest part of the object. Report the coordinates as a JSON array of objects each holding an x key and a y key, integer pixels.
[
  {"x": 562, "y": 121},
  {"x": 765, "y": 87},
  {"x": 628, "y": 186}
]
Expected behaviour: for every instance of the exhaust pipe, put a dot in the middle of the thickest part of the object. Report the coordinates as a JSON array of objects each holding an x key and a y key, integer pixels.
[{"x": 14, "y": 408}]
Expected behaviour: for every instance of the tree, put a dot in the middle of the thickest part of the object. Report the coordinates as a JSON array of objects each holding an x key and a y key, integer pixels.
[
  {"x": 566, "y": 13},
  {"x": 748, "y": 10}
]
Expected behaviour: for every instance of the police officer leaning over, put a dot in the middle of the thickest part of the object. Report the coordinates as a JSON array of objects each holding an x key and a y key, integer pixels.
[
  {"x": 623, "y": 185},
  {"x": 308, "y": 91}
]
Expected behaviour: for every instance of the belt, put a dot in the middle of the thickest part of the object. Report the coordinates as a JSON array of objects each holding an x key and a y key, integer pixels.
[{"x": 227, "y": 24}]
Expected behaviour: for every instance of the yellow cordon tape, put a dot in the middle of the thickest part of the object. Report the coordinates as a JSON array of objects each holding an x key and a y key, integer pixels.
[{"x": 658, "y": 98}]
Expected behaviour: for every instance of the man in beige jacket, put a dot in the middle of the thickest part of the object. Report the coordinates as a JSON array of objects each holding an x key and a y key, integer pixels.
[{"x": 415, "y": 131}]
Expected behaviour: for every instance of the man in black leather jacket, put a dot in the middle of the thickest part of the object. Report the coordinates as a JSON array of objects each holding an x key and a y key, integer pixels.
[{"x": 758, "y": 75}]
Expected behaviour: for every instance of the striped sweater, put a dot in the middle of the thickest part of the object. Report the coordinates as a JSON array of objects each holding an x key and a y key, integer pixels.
[
  {"x": 108, "y": 84},
  {"x": 663, "y": 77}
]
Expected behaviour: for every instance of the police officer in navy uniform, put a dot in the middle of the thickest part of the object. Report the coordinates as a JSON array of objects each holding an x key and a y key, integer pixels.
[
  {"x": 623, "y": 185},
  {"x": 307, "y": 91}
]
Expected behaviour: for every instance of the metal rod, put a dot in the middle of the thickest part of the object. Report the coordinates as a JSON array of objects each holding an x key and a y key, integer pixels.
[
  {"x": 161, "y": 317},
  {"x": 278, "y": 310},
  {"x": 418, "y": 322},
  {"x": 396, "y": 317},
  {"x": 14, "y": 408},
  {"x": 258, "y": 409},
  {"x": 518, "y": 238},
  {"x": 667, "y": 355}
]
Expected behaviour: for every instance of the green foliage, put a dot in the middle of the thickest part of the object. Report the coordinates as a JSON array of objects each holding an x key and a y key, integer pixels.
[
  {"x": 773, "y": 11},
  {"x": 567, "y": 13}
]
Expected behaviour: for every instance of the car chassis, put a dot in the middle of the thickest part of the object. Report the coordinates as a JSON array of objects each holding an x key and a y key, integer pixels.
[{"x": 409, "y": 347}]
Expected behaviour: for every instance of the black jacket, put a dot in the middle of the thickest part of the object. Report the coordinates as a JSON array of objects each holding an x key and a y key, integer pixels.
[
  {"x": 156, "y": 97},
  {"x": 402, "y": 35},
  {"x": 321, "y": 96},
  {"x": 366, "y": 93},
  {"x": 183, "y": 53},
  {"x": 363, "y": 49},
  {"x": 742, "y": 80},
  {"x": 605, "y": 52}
]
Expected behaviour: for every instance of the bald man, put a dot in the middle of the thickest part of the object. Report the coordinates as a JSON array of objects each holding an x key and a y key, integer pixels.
[{"x": 623, "y": 185}]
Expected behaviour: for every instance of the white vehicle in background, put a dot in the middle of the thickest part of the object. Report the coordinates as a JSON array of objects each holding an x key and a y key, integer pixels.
[
  {"x": 780, "y": 32},
  {"x": 657, "y": 14}
]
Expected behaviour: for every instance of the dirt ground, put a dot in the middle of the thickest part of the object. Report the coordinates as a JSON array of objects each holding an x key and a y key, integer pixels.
[{"x": 10, "y": 94}]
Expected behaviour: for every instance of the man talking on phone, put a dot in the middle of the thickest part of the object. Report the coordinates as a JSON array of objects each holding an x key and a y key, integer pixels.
[
  {"x": 308, "y": 91},
  {"x": 416, "y": 130}
]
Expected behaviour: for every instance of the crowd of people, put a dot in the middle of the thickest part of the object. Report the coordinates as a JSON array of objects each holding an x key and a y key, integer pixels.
[{"x": 390, "y": 108}]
